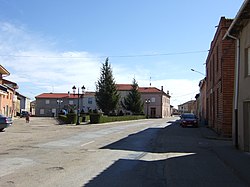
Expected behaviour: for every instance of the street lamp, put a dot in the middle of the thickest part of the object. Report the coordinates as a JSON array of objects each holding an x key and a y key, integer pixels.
[
  {"x": 147, "y": 101},
  {"x": 59, "y": 101},
  {"x": 198, "y": 72},
  {"x": 78, "y": 98}
]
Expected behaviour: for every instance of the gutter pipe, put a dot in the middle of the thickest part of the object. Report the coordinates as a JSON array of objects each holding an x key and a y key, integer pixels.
[{"x": 236, "y": 91}]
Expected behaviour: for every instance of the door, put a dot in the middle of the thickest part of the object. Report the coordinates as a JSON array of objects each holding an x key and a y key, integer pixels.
[
  {"x": 152, "y": 112},
  {"x": 246, "y": 113}
]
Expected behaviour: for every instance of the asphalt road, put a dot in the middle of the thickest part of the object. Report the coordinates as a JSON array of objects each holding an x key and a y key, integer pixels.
[{"x": 154, "y": 152}]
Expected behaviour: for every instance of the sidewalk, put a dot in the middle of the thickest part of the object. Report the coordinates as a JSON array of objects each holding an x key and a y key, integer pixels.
[{"x": 237, "y": 160}]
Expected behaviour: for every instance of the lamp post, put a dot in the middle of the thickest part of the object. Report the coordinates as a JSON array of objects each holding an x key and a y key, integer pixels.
[
  {"x": 198, "y": 72},
  {"x": 147, "y": 101},
  {"x": 78, "y": 100},
  {"x": 59, "y": 101}
]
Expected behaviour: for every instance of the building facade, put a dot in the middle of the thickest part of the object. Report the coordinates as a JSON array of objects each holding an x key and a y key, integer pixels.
[
  {"x": 8, "y": 98},
  {"x": 188, "y": 107},
  {"x": 240, "y": 32},
  {"x": 202, "y": 111},
  {"x": 50, "y": 104},
  {"x": 220, "y": 80},
  {"x": 23, "y": 103},
  {"x": 159, "y": 105}
]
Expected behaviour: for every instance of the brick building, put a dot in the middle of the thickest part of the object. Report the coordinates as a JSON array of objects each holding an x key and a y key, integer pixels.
[{"x": 220, "y": 80}]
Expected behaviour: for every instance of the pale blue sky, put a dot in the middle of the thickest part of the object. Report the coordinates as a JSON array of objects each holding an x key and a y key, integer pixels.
[{"x": 51, "y": 45}]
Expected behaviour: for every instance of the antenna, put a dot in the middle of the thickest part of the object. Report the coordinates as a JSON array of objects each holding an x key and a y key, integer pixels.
[{"x": 150, "y": 81}]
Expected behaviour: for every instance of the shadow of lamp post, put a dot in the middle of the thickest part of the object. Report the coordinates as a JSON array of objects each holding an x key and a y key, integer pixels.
[
  {"x": 79, "y": 95},
  {"x": 147, "y": 101}
]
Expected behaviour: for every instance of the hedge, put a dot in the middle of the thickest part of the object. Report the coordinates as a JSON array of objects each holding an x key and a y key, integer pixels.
[{"x": 106, "y": 119}]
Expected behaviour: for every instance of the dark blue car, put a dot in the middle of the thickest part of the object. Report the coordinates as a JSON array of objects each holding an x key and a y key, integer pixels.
[{"x": 5, "y": 122}]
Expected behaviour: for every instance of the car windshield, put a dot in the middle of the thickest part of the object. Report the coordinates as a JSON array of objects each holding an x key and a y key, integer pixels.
[{"x": 190, "y": 116}]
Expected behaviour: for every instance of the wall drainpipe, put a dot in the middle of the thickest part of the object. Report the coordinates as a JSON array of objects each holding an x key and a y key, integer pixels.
[{"x": 236, "y": 91}]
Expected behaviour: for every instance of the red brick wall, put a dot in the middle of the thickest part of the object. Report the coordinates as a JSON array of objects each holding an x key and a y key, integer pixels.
[{"x": 220, "y": 80}]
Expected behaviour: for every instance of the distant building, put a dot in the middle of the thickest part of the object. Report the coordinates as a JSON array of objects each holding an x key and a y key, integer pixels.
[
  {"x": 23, "y": 103},
  {"x": 203, "y": 107},
  {"x": 159, "y": 106},
  {"x": 188, "y": 107},
  {"x": 50, "y": 104}
]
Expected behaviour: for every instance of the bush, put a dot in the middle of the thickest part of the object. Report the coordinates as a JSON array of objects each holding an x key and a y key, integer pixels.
[
  {"x": 106, "y": 119},
  {"x": 71, "y": 118},
  {"x": 95, "y": 118},
  {"x": 63, "y": 118}
]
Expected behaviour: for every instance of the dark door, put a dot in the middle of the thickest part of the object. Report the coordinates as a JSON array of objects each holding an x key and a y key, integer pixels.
[{"x": 152, "y": 112}]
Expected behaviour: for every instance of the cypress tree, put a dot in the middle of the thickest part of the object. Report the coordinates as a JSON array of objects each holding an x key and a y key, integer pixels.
[
  {"x": 132, "y": 102},
  {"x": 107, "y": 96}
]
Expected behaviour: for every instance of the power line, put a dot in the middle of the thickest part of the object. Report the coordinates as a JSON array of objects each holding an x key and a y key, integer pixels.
[{"x": 112, "y": 56}]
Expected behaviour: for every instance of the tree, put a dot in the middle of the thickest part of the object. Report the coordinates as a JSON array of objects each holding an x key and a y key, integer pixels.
[
  {"x": 107, "y": 96},
  {"x": 132, "y": 102}
]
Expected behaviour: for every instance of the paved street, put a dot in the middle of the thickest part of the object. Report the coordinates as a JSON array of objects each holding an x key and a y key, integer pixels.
[{"x": 154, "y": 152}]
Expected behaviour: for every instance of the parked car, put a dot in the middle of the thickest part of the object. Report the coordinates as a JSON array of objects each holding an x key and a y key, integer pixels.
[
  {"x": 24, "y": 114},
  {"x": 5, "y": 122},
  {"x": 189, "y": 119}
]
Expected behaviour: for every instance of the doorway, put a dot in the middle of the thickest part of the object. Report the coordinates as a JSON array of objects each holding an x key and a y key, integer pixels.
[
  {"x": 246, "y": 131},
  {"x": 152, "y": 112}
]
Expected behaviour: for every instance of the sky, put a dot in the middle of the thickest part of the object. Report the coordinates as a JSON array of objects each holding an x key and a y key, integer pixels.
[{"x": 52, "y": 45}]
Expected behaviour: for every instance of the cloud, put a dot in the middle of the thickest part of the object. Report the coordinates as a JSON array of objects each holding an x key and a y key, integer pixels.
[
  {"x": 180, "y": 90},
  {"x": 37, "y": 66},
  {"x": 32, "y": 60}
]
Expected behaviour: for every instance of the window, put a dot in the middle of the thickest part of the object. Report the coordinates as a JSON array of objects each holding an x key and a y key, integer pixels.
[
  {"x": 41, "y": 111},
  {"x": 71, "y": 102},
  {"x": 153, "y": 99},
  {"x": 217, "y": 58},
  {"x": 247, "y": 62},
  {"x": 47, "y": 102},
  {"x": 90, "y": 100},
  {"x": 54, "y": 111}
]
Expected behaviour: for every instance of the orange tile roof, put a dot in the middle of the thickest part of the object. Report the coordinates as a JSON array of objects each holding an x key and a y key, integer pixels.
[
  {"x": 62, "y": 95},
  {"x": 128, "y": 87},
  {"x": 149, "y": 90},
  {"x": 3, "y": 71},
  {"x": 124, "y": 87}
]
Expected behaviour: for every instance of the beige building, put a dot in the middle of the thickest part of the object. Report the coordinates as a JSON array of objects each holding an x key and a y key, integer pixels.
[
  {"x": 159, "y": 101},
  {"x": 240, "y": 31},
  {"x": 188, "y": 107},
  {"x": 203, "y": 107}
]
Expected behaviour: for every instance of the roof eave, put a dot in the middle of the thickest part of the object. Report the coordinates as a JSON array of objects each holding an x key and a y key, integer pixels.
[{"x": 245, "y": 5}]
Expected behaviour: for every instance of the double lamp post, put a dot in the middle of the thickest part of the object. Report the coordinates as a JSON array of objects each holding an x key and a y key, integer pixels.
[
  {"x": 147, "y": 101},
  {"x": 79, "y": 95}
]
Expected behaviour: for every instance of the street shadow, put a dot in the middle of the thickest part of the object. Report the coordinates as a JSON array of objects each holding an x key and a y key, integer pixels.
[
  {"x": 171, "y": 138},
  {"x": 188, "y": 170},
  {"x": 130, "y": 173},
  {"x": 136, "y": 142},
  {"x": 173, "y": 156}
]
